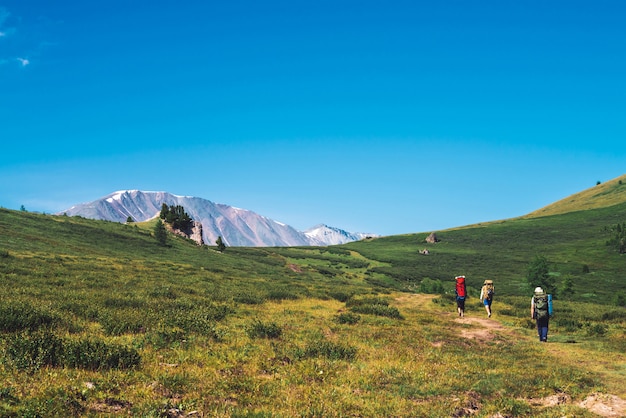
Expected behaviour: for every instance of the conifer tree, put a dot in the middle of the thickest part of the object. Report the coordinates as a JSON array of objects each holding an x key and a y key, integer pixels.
[
  {"x": 538, "y": 274},
  {"x": 160, "y": 233},
  {"x": 220, "y": 244}
]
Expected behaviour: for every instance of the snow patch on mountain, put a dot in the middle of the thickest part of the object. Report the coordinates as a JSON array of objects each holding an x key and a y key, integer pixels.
[{"x": 333, "y": 236}]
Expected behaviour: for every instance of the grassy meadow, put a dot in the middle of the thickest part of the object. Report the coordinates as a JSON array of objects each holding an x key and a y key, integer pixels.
[{"x": 97, "y": 319}]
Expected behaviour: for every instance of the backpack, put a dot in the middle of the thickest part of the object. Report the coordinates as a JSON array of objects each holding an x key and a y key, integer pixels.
[
  {"x": 488, "y": 293},
  {"x": 460, "y": 286},
  {"x": 541, "y": 307}
]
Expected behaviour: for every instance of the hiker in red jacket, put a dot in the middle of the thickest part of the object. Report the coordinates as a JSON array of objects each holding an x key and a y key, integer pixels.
[{"x": 461, "y": 294}]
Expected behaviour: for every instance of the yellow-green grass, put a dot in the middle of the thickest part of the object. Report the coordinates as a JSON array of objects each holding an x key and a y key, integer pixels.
[
  {"x": 430, "y": 363},
  {"x": 602, "y": 195}
]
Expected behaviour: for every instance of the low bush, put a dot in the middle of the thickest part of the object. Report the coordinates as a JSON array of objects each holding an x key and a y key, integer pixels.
[
  {"x": 366, "y": 300},
  {"x": 58, "y": 402},
  {"x": 32, "y": 351},
  {"x": 249, "y": 298},
  {"x": 260, "y": 329},
  {"x": 445, "y": 299},
  {"x": 340, "y": 296},
  {"x": 431, "y": 286},
  {"x": 568, "y": 324},
  {"x": 614, "y": 315},
  {"x": 98, "y": 355},
  {"x": 326, "y": 349},
  {"x": 165, "y": 336},
  {"x": 19, "y": 316},
  {"x": 378, "y": 310},
  {"x": 347, "y": 318},
  {"x": 123, "y": 323},
  {"x": 596, "y": 330},
  {"x": 282, "y": 294}
]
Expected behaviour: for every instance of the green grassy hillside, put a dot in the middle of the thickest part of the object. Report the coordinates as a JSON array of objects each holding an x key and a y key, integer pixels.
[
  {"x": 98, "y": 320},
  {"x": 600, "y": 196},
  {"x": 574, "y": 243}
]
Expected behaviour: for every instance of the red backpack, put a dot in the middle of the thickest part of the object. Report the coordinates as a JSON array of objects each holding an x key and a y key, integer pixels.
[{"x": 460, "y": 286}]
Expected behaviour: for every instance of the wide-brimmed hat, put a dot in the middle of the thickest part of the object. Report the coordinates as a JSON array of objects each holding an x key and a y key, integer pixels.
[{"x": 538, "y": 289}]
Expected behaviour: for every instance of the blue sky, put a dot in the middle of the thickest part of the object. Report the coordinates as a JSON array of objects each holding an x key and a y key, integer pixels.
[{"x": 381, "y": 117}]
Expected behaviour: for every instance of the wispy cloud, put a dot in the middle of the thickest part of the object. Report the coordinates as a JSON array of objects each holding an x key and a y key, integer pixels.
[{"x": 23, "y": 61}]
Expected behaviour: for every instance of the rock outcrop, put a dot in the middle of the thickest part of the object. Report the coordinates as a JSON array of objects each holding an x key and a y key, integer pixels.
[{"x": 432, "y": 238}]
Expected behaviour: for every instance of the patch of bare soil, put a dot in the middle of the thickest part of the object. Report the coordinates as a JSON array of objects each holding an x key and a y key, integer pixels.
[
  {"x": 605, "y": 405},
  {"x": 601, "y": 404},
  {"x": 295, "y": 268},
  {"x": 485, "y": 331}
]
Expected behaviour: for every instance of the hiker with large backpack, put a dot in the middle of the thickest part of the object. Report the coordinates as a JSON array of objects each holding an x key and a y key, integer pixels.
[
  {"x": 486, "y": 295},
  {"x": 461, "y": 294},
  {"x": 540, "y": 311}
]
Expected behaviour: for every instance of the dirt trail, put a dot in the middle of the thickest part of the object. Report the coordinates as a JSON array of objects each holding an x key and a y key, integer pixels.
[{"x": 485, "y": 329}]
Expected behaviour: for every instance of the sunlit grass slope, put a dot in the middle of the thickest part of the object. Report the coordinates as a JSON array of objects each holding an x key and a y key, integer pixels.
[{"x": 602, "y": 195}]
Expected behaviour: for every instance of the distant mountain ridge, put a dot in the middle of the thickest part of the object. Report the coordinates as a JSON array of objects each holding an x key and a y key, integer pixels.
[{"x": 237, "y": 227}]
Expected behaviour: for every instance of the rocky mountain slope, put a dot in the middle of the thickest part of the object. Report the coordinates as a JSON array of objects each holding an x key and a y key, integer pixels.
[{"x": 237, "y": 227}]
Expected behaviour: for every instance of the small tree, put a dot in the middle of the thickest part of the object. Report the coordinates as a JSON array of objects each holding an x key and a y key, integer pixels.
[
  {"x": 566, "y": 290},
  {"x": 538, "y": 274},
  {"x": 23, "y": 208},
  {"x": 220, "y": 244},
  {"x": 160, "y": 233},
  {"x": 129, "y": 220},
  {"x": 618, "y": 240}
]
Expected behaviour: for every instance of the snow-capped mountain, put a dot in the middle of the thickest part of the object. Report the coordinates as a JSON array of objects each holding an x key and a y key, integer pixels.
[
  {"x": 327, "y": 234},
  {"x": 237, "y": 227}
]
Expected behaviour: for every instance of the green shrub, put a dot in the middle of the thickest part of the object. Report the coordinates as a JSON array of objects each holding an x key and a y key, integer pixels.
[
  {"x": 328, "y": 350},
  {"x": 4, "y": 254},
  {"x": 126, "y": 302},
  {"x": 366, "y": 300},
  {"x": 378, "y": 310},
  {"x": 31, "y": 351},
  {"x": 568, "y": 324},
  {"x": 614, "y": 315},
  {"x": 347, "y": 318},
  {"x": 57, "y": 402},
  {"x": 444, "y": 299},
  {"x": 282, "y": 294},
  {"x": 165, "y": 292},
  {"x": 98, "y": 355},
  {"x": 19, "y": 316},
  {"x": 165, "y": 336},
  {"x": 260, "y": 329},
  {"x": 122, "y": 323},
  {"x": 249, "y": 298},
  {"x": 340, "y": 296},
  {"x": 596, "y": 330},
  {"x": 431, "y": 286},
  {"x": 619, "y": 299}
]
